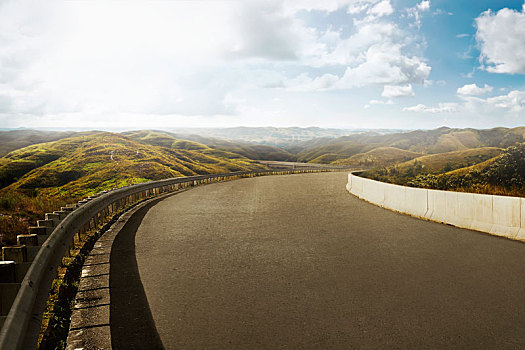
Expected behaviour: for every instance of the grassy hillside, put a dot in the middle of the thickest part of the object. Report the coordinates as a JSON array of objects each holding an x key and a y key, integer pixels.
[
  {"x": 379, "y": 157},
  {"x": 85, "y": 164},
  {"x": 435, "y": 141},
  {"x": 338, "y": 150},
  {"x": 434, "y": 164},
  {"x": 502, "y": 175},
  {"x": 248, "y": 150},
  {"x": 42, "y": 177}
]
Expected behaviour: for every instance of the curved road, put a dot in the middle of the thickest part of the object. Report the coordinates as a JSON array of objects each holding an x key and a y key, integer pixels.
[{"x": 295, "y": 262}]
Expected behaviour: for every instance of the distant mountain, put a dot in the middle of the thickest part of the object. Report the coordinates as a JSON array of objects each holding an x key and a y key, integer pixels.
[
  {"x": 271, "y": 135},
  {"x": 420, "y": 141},
  {"x": 14, "y": 139},
  {"x": 303, "y": 144},
  {"x": 246, "y": 149}
]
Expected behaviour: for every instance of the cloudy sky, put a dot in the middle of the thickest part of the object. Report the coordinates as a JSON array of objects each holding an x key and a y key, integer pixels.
[{"x": 331, "y": 63}]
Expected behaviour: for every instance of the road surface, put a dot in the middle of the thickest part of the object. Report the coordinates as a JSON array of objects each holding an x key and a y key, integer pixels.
[{"x": 295, "y": 262}]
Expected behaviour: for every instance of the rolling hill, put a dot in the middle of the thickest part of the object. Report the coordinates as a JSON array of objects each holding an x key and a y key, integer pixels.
[
  {"x": 14, "y": 139},
  {"x": 245, "y": 149},
  {"x": 80, "y": 165},
  {"x": 435, "y": 141},
  {"x": 379, "y": 157},
  {"x": 434, "y": 164},
  {"x": 501, "y": 175}
]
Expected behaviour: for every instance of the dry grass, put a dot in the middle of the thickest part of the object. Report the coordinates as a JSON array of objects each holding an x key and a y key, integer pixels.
[{"x": 379, "y": 157}]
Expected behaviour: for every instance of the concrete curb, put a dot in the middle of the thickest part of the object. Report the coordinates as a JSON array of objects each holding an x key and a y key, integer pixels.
[
  {"x": 90, "y": 323},
  {"x": 498, "y": 215}
]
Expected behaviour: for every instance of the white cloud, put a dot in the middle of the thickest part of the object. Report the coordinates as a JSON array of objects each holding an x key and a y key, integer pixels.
[
  {"x": 94, "y": 59},
  {"x": 381, "y": 102},
  {"x": 359, "y": 6},
  {"x": 513, "y": 102},
  {"x": 304, "y": 82},
  {"x": 390, "y": 91},
  {"x": 439, "y": 12},
  {"x": 383, "y": 8},
  {"x": 501, "y": 37},
  {"x": 265, "y": 30},
  {"x": 356, "y": 8},
  {"x": 376, "y": 54},
  {"x": 385, "y": 64},
  {"x": 415, "y": 12},
  {"x": 292, "y": 6},
  {"x": 473, "y": 89},
  {"x": 462, "y": 35},
  {"x": 378, "y": 102},
  {"x": 381, "y": 64},
  {"x": 73, "y": 58},
  {"x": 350, "y": 51},
  {"x": 429, "y": 83},
  {"x": 423, "y": 5},
  {"x": 442, "y": 108}
]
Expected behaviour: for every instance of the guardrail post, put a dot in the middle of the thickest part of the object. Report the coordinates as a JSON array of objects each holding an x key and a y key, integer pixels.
[
  {"x": 67, "y": 209},
  {"x": 40, "y": 230},
  {"x": 29, "y": 240},
  {"x": 61, "y": 214},
  {"x": 7, "y": 272},
  {"x": 18, "y": 254},
  {"x": 54, "y": 217}
]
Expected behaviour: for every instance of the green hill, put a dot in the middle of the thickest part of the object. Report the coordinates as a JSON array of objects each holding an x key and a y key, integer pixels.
[
  {"x": 501, "y": 175},
  {"x": 81, "y": 165},
  {"x": 434, "y": 164}
]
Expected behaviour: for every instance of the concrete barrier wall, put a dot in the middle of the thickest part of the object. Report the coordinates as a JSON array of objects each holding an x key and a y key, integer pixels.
[
  {"x": 506, "y": 216},
  {"x": 498, "y": 215},
  {"x": 521, "y": 232}
]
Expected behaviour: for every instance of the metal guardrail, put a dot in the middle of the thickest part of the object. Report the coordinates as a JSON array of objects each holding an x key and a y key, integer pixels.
[{"x": 22, "y": 325}]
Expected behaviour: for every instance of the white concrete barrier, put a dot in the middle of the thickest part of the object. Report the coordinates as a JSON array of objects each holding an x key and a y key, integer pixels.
[
  {"x": 437, "y": 206},
  {"x": 349, "y": 183},
  {"x": 498, "y": 215},
  {"x": 521, "y": 232},
  {"x": 506, "y": 216},
  {"x": 394, "y": 197},
  {"x": 464, "y": 209},
  {"x": 416, "y": 201},
  {"x": 357, "y": 186},
  {"x": 373, "y": 193},
  {"x": 451, "y": 208},
  {"x": 482, "y": 217}
]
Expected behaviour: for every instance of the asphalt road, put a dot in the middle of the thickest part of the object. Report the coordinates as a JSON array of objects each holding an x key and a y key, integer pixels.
[{"x": 295, "y": 262}]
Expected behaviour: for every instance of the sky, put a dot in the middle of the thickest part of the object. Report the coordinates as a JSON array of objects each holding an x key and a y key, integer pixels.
[{"x": 398, "y": 64}]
